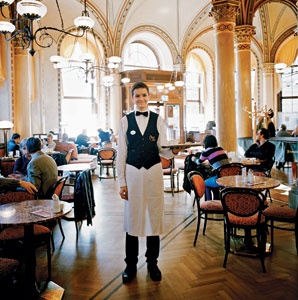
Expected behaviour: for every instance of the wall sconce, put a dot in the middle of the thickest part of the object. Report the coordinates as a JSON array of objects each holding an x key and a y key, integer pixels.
[{"x": 5, "y": 126}]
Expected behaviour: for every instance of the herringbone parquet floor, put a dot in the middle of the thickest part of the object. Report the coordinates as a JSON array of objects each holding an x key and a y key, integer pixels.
[{"x": 91, "y": 267}]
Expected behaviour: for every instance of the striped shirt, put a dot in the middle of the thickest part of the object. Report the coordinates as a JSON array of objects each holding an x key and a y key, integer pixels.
[{"x": 216, "y": 157}]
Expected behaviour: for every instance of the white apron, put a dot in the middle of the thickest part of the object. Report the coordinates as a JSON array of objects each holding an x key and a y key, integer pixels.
[{"x": 144, "y": 209}]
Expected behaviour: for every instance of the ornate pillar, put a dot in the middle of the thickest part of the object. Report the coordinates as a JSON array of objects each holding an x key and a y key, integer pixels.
[
  {"x": 269, "y": 97},
  {"x": 224, "y": 14},
  {"x": 115, "y": 104},
  {"x": 21, "y": 92},
  {"x": 243, "y": 73}
]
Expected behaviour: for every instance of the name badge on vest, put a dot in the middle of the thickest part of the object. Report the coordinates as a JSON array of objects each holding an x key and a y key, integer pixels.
[
  {"x": 152, "y": 138},
  {"x": 133, "y": 132}
]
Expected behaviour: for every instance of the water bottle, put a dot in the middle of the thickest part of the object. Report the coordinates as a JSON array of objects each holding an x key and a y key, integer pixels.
[
  {"x": 250, "y": 176},
  {"x": 55, "y": 204},
  {"x": 243, "y": 172}
]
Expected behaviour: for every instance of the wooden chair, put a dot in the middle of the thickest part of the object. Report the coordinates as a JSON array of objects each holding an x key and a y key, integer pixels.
[
  {"x": 107, "y": 159},
  {"x": 57, "y": 189},
  {"x": 227, "y": 170},
  {"x": 282, "y": 214},
  {"x": 169, "y": 170},
  {"x": 8, "y": 275},
  {"x": 206, "y": 209},
  {"x": 243, "y": 208},
  {"x": 84, "y": 203},
  {"x": 12, "y": 235}
]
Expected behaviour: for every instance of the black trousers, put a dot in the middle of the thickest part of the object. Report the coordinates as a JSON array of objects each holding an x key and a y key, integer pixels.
[{"x": 132, "y": 249}]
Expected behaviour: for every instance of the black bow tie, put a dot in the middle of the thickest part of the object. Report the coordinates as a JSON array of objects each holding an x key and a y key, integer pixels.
[{"x": 145, "y": 113}]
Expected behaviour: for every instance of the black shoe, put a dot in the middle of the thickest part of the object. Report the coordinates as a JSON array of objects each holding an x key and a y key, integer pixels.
[
  {"x": 128, "y": 274},
  {"x": 154, "y": 272}
]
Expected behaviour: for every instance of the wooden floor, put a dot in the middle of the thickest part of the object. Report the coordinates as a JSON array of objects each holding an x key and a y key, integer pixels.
[{"x": 91, "y": 267}]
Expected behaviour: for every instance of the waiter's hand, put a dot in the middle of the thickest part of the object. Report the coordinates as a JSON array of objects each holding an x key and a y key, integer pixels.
[{"x": 123, "y": 193}]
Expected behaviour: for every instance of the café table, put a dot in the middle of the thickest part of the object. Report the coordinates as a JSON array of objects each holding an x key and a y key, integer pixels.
[
  {"x": 73, "y": 167},
  {"x": 259, "y": 183},
  {"x": 28, "y": 213}
]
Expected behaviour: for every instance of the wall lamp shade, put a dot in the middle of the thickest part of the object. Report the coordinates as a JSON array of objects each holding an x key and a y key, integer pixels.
[
  {"x": 20, "y": 25},
  {"x": 6, "y": 125}
]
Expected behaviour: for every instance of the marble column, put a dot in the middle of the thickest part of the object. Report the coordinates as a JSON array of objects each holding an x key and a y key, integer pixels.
[
  {"x": 115, "y": 105},
  {"x": 269, "y": 97},
  {"x": 243, "y": 35},
  {"x": 21, "y": 91},
  {"x": 224, "y": 14}
]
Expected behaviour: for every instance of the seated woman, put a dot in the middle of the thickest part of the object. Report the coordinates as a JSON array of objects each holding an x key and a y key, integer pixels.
[{"x": 216, "y": 156}]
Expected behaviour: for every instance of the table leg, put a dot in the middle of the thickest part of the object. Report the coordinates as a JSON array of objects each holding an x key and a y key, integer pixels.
[{"x": 31, "y": 291}]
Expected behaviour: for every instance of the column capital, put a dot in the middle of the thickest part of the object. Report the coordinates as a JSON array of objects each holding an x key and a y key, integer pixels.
[
  {"x": 243, "y": 35},
  {"x": 224, "y": 10},
  {"x": 268, "y": 67}
]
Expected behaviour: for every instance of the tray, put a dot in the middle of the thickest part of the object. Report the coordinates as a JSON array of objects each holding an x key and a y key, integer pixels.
[{"x": 186, "y": 145}]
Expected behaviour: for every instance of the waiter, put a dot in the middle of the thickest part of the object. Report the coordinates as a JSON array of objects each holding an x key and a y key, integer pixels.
[{"x": 140, "y": 176}]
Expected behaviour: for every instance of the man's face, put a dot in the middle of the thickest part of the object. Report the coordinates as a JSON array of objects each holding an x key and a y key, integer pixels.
[
  {"x": 141, "y": 98},
  {"x": 259, "y": 136}
]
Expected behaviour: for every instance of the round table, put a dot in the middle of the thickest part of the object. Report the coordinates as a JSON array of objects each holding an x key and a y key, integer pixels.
[
  {"x": 28, "y": 213},
  {"x": 259, "y": 182}
]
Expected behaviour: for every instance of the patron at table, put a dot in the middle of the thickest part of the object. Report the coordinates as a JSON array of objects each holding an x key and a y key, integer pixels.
[
  {"x": 42, "y": 170},
  {"x": 262, "y": 149},
  {"x": 20, "y": 165}
]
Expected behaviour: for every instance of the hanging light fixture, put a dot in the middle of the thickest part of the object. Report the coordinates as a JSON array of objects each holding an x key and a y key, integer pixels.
[
  {"x": 176, "y": 79},
  {"x": 20, "y": 26}
]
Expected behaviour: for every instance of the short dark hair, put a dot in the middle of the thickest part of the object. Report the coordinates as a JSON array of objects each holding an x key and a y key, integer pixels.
[
  {"x": 139, "y": 85},
  {"x": 33, "y": 144},
  {"x": 265, "y": 133},
  {"x": 15, "y": 136},
  {"x": 210, "y": 141}
]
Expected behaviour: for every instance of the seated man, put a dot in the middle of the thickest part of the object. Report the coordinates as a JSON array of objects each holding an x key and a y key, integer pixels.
[
  {"x": 262, "y": 149},
  {"x": 42, "y": 170},
  {"x": 82, "y": 141},
  {"x": 13, "y": 143}
]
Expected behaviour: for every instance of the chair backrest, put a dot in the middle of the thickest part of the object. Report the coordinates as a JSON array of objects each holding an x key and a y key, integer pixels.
[
  {"x": 57, "y": 188},
  {"x": 106, "y": 153},
  {"x": 16, "y": 196},
  {"x": 242, "y": 202},
  {"x": 229, "y": 169},
  {"x": 197, "y": 183}
]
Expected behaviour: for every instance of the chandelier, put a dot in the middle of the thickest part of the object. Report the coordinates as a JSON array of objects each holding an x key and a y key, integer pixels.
[
  {"x": 85, "y": 64},
  {"x": 19, "y": 24}
]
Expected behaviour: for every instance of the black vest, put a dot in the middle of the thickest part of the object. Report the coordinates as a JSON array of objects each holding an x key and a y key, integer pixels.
[{"x": 142, "y": 150}]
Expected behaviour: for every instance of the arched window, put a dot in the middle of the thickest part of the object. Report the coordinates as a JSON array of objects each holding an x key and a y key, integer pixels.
[
  {"x": 139, "y": 56},
  {"x": 79, "y": 88}
]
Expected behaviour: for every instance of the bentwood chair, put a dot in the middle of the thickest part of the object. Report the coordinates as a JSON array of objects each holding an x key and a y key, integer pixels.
[
  {"x": 8, "y": 274},
  {"x": 227, "y": 170},
  {"x": 169, "y": 170},
  {"x": 11, "y": 236},
  {"x": 243, "y": 209},
  {"x": 207, "y": 210},
  {"x": 83, "y": 201},
  {"x": 106, "y": 160},
  {"x": 282, "y": 214},
  {"x": 57, "y": 189}
]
